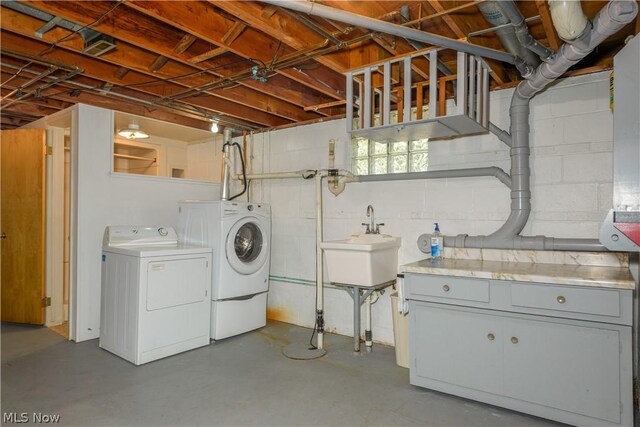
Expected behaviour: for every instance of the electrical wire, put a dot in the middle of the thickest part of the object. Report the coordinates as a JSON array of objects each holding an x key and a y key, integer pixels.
[
  {"x": 244, "y": 174},
  {"x": 275, "y": 55},
  {"x": 60, "y": 40}
]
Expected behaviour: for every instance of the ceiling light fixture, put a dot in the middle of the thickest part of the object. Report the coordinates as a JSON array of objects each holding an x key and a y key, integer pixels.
[
  {"x": 214, "y": 126},
  {"x": 133, "y": 132}
]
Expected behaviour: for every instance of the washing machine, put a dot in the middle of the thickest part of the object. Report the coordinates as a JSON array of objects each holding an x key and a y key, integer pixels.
[
  {"x": 240, "y": 234},
  {"x": 155, "y": 299}
]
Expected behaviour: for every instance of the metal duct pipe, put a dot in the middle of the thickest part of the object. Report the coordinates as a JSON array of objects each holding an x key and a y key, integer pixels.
[
  {"x": 327, "y": 12},
  {"x": 512, "y": 13},
  {"x": 612, "y": 18},
  {"x": 451, "y": 173},
  {"x": 494, "y": 14}
]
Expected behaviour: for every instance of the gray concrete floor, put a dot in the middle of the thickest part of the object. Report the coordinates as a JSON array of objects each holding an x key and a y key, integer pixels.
[{"x": 243, "y": 380}]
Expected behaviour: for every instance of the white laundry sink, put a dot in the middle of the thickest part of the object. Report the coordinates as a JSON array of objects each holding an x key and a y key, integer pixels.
[{"x": 362, "y": 259}]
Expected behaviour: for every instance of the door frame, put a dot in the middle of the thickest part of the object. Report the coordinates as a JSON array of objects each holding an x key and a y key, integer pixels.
[
  {"x": 54, "y": 264},
  {"x": 65, "y": 119}
]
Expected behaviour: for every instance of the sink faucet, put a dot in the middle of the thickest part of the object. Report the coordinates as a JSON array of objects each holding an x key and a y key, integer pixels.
[{"x": 372, "y": 227}]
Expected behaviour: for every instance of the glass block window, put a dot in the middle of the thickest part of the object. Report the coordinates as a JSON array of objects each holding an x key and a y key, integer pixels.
[{"x": 375, "y": 158}]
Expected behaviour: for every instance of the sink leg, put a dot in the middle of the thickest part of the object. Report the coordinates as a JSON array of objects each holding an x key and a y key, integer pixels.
[{"x": 356, "y": 319}]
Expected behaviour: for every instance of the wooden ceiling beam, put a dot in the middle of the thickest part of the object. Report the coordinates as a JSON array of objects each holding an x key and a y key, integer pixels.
[
  {"x": 29, "y": 108},
  {"x": 233, "y": 33},
  {"x": 498, "y": 73},
  {"x": 547, "y": 24},
  {"x": 281, "y": 26},
  {"x": 185, "y": 43},
  {"x": 124, "y": 26},
  {"x": 208, "y": 55},
  {"x": 61, "y": 93},
  {"x": 105, "y": 72},
  {"x": 160, "y": 62},
  {"x": 201, "y": 20},
  {"x": 129, "y": 56}
]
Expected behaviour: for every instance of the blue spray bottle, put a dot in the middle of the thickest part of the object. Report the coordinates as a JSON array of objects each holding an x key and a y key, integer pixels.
[{"x": 437, "y": 243}]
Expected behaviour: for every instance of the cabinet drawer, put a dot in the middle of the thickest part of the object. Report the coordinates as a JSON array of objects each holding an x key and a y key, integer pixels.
[
  {"x": 419, "y": 287},
  {"x": 561, "y": 298}
]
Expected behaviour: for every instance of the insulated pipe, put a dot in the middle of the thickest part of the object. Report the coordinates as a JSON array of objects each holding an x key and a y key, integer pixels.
[
  {"x": 327, "y": 12},
  {"x": 226, "y": 169},
  {"x": 494, "y": 14},
  {"x": 502, "y": 135},
  {"x": 537, "y": 243},
  {"x": 514, "y": 15},
  {"x": 451, "y": 173},
  {"x": 612, "y": 18}
]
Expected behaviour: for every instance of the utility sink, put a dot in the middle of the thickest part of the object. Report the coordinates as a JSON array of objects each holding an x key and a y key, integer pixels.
[{"x": 362, "y": 259}]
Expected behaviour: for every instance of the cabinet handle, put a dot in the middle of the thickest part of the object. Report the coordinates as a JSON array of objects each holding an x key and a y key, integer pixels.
[
  {"x": 514, "y": 340},
  {"x": 561, "y": 299},
  {"x": 491, "y": 337},
  {"x": 445, "y": 288}
]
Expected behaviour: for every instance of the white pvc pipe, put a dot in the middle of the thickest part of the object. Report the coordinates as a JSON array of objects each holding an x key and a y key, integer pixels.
[
  {"x": 319, "y": 260},
  {"x": 278, "y": 175}
]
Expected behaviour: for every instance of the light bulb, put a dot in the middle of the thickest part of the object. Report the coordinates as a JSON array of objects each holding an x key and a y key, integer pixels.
[{"x": 214, "y": 127}]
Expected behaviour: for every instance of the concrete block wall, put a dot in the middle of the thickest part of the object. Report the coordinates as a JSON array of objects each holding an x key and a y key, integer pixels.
[{"x": 571, "y": 141}]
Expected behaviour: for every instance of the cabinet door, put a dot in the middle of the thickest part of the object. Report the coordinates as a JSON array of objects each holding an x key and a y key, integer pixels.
[
  {"x": 574, "y": 368},
  {"x": 458, "y": 347}
]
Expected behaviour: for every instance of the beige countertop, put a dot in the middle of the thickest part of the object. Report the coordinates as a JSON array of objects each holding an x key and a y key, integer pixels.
[{"x": 616, "y": 277}]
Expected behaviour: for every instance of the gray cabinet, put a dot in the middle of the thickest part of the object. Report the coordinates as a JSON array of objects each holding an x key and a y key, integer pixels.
[
  {"x": 542, "y": 349},
  {"x": 471, "y": 356}
]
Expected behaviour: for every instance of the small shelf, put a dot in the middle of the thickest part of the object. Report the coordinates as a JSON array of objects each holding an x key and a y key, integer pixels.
[
  {"x": 127, "y": 156},
  {"x": 440, "y": 127},
  {"x": 135, "y": 157}
]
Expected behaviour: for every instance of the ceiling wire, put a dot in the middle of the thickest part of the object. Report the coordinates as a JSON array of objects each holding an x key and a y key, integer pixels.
[{"x": 53, "y": 45}]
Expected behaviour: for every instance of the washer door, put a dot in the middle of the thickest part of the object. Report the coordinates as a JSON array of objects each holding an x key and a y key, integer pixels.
[{"x": 247, "y": 245}]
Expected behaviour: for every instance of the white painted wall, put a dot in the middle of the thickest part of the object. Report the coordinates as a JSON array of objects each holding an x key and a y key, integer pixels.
[
  {"x": 571, "y": 140},
  {"x": 100, "y": 197},
  {"x": 105, "y": 198},
  {"x": 205, "y": 160}
]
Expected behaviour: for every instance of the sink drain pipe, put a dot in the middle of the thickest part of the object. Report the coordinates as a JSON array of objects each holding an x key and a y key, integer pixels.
[
  {"x": 342, "y": 177},
  {"x": 612, "y": 18}
]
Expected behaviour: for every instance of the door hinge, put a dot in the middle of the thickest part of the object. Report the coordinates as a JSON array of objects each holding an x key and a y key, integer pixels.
[
  {"x": 49, "y": 151},
  {"x": 45, "y": 302}
]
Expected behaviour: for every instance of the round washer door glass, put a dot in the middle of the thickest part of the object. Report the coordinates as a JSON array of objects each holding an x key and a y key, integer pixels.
[
  {"x": 248, "y": 242},
  {"x": 247, "y": 246}
]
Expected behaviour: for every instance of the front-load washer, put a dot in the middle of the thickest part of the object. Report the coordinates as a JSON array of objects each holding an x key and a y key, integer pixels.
[
  {"x": 240, "y": 234},
  {"x": 155, "y": 299}
]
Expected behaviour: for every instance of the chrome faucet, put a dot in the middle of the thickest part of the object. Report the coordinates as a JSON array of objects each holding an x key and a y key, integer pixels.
[{"x": 372, "y": 227}]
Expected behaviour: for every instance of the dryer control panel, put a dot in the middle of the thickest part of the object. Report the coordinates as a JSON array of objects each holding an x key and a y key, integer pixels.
[{"x": 135, "y": 235}]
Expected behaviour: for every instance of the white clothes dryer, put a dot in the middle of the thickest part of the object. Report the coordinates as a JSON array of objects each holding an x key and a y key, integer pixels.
[
  {"x": 155, "y": 299},
  {"x": 240, "y": 234}
]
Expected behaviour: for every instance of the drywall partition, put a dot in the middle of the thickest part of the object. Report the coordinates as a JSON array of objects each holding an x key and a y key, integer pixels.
[
  {"x": 104, "y": 198},
  {"x": 571, "y": 158}
]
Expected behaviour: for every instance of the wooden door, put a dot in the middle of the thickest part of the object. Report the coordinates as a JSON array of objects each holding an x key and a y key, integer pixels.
[{"x": 22, "y": 171}]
